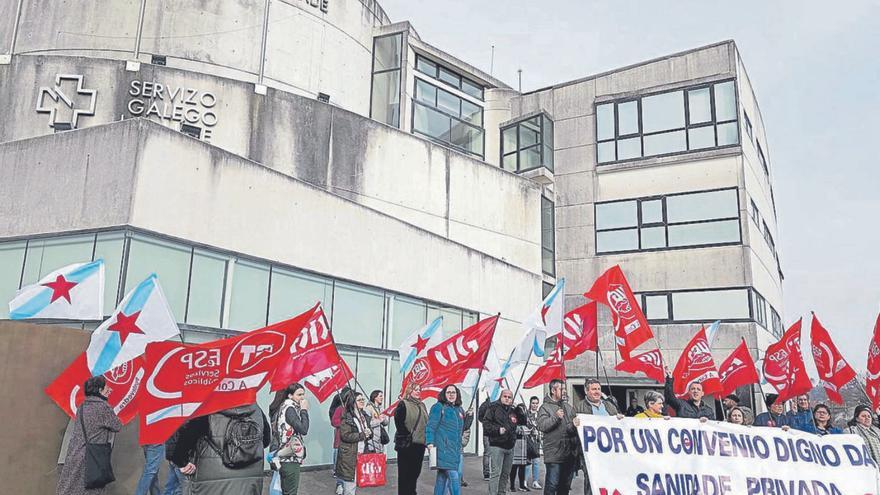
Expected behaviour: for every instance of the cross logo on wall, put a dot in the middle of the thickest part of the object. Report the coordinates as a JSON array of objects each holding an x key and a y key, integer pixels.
[{"x": 63, "y": 102}]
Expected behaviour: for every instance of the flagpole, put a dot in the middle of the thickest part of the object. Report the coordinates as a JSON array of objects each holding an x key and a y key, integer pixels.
[
  {"x": 483, "y": 366},
  {"x": 525, "y": 367}
]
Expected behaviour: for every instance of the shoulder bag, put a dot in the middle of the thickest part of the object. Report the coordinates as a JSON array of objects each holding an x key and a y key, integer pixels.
[{"x": 98, "y": 470}]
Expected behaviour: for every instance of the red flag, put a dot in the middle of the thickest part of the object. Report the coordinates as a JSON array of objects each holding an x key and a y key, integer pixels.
[
  {"x": 579, "y": 332},
  {"x": 630, "y": 325},
  {"x": 449, "y": 361},
  {"x": 550, "y": 370},
  {"x": 737, "y": 370},
  {"x": 312, "y": 351},
  {"x": 124, "y": 382},
  {"x": 696, "y": 366},
  {"x": 325, "y": 382},
  {"x": 650, "y": 363},
  {"x": 872, "y": 382},
  {"x": 784, "y": 365},
  {"x": 834, "y": 371},
  {"x": 185, "y": 381}
]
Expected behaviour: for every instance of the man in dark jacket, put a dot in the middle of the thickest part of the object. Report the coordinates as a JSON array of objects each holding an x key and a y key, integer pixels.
[
  {"x": 561, "y": 444},
  {"x": 597, "y": 405},
  {"x": 775, "y": 417},
  {"x": 693, "y": 407},
  {"x": 499, "y": 423},
  {"x": 481, "y": 412}
]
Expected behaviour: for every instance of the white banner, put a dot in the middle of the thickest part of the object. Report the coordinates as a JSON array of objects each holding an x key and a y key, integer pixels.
[{"x": 685, "y": 457}]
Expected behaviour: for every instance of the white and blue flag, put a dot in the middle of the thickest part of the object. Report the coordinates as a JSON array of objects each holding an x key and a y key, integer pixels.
[
  {"x": 142, "y": 317},
  {"x": 543, "y": 323},
  {"x": 75, "y": 292},
  {"x": 414, "y": 346}
]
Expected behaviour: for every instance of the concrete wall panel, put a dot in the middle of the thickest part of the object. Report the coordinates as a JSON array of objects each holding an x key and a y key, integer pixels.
[
  {"x": 7, "y": 24},
  {"x": 75, "y": 25},
  {"x": 672, "y": 178}
]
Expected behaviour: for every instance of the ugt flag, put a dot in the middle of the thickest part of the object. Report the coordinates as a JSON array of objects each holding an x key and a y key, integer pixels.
[
  {"x": 312, "y": 351},
  {"x": 414, "y": 346},
  {"x": 75, "y": 292},
  {"x": 630, "y": 325},
  {"x": 124, "y": 382},
  {"x": 784, "y": 365},
  {"x": 580, "y": 333},
  {"x": 650, "y": 363},
  {"x": 326, "y": 382},
  {"x": 142, "y": 317},
  {"x": 872, "y": 383},
  {"x": 737, "y": 370},
  {"x": 553, "y": 369},
  {"x": 834, "y": 371},
  {"x": 696, "y": 366}
]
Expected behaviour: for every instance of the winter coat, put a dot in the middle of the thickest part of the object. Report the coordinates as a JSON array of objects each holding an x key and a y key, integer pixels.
[
  {"x": 376, "y": 425},
  {"x": 560, "y": 435},
  {"x": 445, "y": 425},
  {"x": 211, "y": 476},
  {"x": 686, "y": 408},
  {"x": 800, "y": 420},
  {"x": 831, "y": 430},
  {"x": 290, "y": 424},
  {"x": 499, "y": 416},
  {"x": 765, "y": 418},
  {"x": 353, "y": 433},
  {"x": 520, "y": 452},
  {"x": 411, "y": 418},
  {"x": 585, "y": 407},
  {"x": 871, "y": 436},
  {"x": 100, "y": 422}
]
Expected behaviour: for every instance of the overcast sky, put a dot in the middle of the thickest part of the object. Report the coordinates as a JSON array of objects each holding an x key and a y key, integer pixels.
[{"x": 816, "y": 72}]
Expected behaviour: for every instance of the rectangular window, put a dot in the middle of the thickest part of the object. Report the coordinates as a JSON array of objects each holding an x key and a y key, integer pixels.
[
  {"x": 206, "y": 288},
  {"x": 385, "y": 100},
  {"x": 548, "y": 237},
  {"x": 358, "y": 314},
  {"x": 656, "y": 306},
  {"x": 406, "y": 315},
  {"x": 249, "y": 295},
  {"x": 49, "y": 254},
  {"x": 697, "y": 305},
  {"x": 448, "y": 118},
  {"x": 169, "y": 260},
  {"x": 776, "y": 322},
  {"x": 755, "y": 213},
  {"x": 11, "y": 264},
  {"x": 759, "y": 312},
  {"x": 293, "y": 292},
  {"x": 527, "y": 144},
  {"x": 109, "y": 246},
  {"x": 696, "y": 118},
  {"x": 449, "y": 76},
  {"x": 762, "y": 159},
  {"x": 678, "y": 220},
  {"x": 748, "y": 125}
]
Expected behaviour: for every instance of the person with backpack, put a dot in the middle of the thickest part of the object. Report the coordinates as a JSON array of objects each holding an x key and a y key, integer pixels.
[
  {"x": 446, "y": 422},
  {"x": 290, "y": 423},
  {"x": 95, "y": 422},
  {"x": 222, "y": 453},
  {"x": 354, "y": 433}
]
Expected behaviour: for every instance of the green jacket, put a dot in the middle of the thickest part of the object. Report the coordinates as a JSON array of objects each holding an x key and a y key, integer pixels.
[
  {"x": 351, "y": 438},
  {"x": 560, "y": 436}
]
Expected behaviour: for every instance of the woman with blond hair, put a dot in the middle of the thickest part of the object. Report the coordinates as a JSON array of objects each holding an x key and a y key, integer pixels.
[{"x": 411, "y": 419}]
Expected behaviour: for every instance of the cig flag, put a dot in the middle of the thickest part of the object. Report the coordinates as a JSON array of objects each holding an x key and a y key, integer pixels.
[
  {"x": 414, "y": 346},
  {"x": 834, "y": 371},
  {"x": 75, "y": 292},
  {"x": 630, "y": 325}
]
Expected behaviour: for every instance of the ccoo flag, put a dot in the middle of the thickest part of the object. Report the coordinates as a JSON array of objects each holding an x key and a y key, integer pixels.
[
  {"x": 75, "y": 292},
  {"x": 872, "y": 381},
  {"x": 142, "y": 317},
  {"x": 414, "y": 346},
  {"x": 630, "y": 325},
  {"x": 834, "y": 371},
  {"x": 784, "y": 365},
  {"x": 695, "y": 365},
  {"x": 737, "y": 370}
]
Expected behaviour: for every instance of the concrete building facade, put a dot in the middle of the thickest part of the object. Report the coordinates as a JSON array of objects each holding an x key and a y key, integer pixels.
[{"x": 262, "y": 155}]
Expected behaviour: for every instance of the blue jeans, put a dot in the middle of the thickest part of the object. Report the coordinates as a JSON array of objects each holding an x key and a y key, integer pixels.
[
  {"x": 447, "y": 479},
  {"x": 533, "y": 467},
  {"x": 559, "y": 477},
  {"x": 149, "y": 483},
  {"x": 175, "y": 480}
]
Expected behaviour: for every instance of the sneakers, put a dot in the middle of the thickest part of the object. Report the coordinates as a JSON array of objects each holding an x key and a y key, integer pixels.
[
  {"x": 536, "y": 485},
  {"x": 338, "y": 489}
]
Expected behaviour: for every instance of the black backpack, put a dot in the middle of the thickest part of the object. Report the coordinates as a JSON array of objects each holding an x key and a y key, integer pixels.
[{"x": 242, "y": 441}]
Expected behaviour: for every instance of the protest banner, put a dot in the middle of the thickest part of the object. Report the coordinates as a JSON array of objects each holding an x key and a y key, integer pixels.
[{"x": 663, "y": 457}]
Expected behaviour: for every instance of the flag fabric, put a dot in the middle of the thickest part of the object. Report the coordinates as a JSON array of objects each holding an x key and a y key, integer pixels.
[
  {"x": 737, "y": 370},
  {"x": 490, "y": 371},
  {"x": 185, "y": 381},
  {"x": 124, "y": 382},
  {"x": 650, "y": 363},
  {"x": 630, "y": 325},
  {"x": 553, "y": 369},
  {"x": 872, "y": 382},
  {"x": 497, "y": 383},
  {"x": 834, "y": 371},
  {"x": 449, "y": 362},
  {"x": 695, "y": 365},
  {"x": 712, "y": 331},
  {"x": 414, "y": 346},
  {"x": 312, "y": 351},
  {"x": 326, "y": 382},
  {"x": 142, "y": 317},
  {"x": 784, "y": 367},
  {"x": 544, "y": 322},
  {"x": 75, "y": 292},
  {"x": 580, "y": 331}
]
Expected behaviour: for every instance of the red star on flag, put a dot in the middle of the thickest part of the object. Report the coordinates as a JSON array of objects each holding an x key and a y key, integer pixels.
[
  {"x": 420, "y": 344},
  {"x": 126, "y": 325},
  {"x": 60, "y": 288}
]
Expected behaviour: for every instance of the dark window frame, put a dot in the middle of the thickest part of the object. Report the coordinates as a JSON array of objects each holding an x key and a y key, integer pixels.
[
  {"x": 545, "y": 202},
  {"x": 540, "y": 144},
  {"x": 398, "y": 69},
  {"x": 458, "y": 118},
  {"x": 762, "y": 158},
  {"x": 748, "y": 125},
  {"x": 461, "y": 77},
  {"x": 671, "y": 310}
]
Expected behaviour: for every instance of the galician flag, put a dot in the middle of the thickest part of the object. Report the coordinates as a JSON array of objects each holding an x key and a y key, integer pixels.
[
  {"x": 542, "y": 323},
  {"x": 414, "y": 346},
  {"x": 142, "y": 317},
  {"x": 75, "y": 292}
]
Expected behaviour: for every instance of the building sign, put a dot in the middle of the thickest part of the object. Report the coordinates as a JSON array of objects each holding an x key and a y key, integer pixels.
[
  {"x": 192, "y": 108},
  {"x": 322, "y": 5},
  {"x": 67, "y": 101}
]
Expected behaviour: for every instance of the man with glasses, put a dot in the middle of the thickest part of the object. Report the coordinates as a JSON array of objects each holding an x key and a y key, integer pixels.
[
  {"x": 499, "y": 424},
  {"x": 802, "y": 417}
]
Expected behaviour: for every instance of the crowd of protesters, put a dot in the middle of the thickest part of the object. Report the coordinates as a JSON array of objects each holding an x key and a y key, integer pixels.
[{"x": 223, "y": 453}]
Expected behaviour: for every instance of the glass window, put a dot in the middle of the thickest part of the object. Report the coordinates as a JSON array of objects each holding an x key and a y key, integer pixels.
[
  {"x": 170, "y": 261},
  {"x": 472, "y": 88},
  {"x": 426, "y": 66},
  {"x": 527, "y": 144},
  {"x": 426, "y": 93},
  {"x": 451, "y": 319},
  {"x": 207, "y": 284},
  {"x": 469, "y": 319},
  {"x": 358, "y": 314},
  {"x": 530, "y": 158},
  {"x": 11, "y": 263},
  {"x": 617, "y": 240},
  {"x": 653, "y": 237},
  {"x": 728, "y": 304},
  {"x": 667, "y": 142},
  {"x": 448, "y": 102},
  {"x": 431, "y": 122},
  {"x": 704, "y": 233},
  {"x": 628, "y": 118},
  {"x": 394, "y": 379},
  {"x": 47, "y": 255},
  {"x": 548, "y": 237},
  {"x": 727, "y": 134},
  {"x": 547, "y": 140},
  {"x": 386, "y": 53},
  {"x": 293, "y": 292},
  {"x": 508, "y": 137},
  {"x": 370, "y": 373},
  {"x": 701, "y": 137},
  {"x": 605, "y": 121},
  {"x": 472, "y": 113},
  {"x": 109, "y": 247},
  {"x": 662, "y": 112},
  {"x": 467, "y": 137},
  {"x": 450, "y": 77},
  {"x": 657, "y": 307},
  {"x": 509, "y": 162},
  {"x": 406, "y": 316},
  {"x": 605, "y": 152},
  {"x": 629, "y": 148},
  {"x": 702, "y": 206},
  {"x": 616, "y": 214},
  {"x": 652, "y": 211},
  {"x": 529, "y": 133},
  {"x": 725, "y": 101},
  {"x": 249, "y": 295},
  {"x": 699, "y": 106},
  {"x": 386, "y": 98},
  {"x": 760, "y": 310}
]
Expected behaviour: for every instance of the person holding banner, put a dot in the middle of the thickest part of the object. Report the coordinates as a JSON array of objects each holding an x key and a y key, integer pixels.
[
  {"x": 653, "y": 406},
  {"x": 735, "y": 416},
  {"x": 862, "y": 425},
  {"x": 593, "y": 403},
  {"x": 556, "y": 420},
  {"x": 354, "y": 432},
  {"x": 693, "y": 407},
  {"x": 411, "y": 419},
  {"x": 446, "y": 422},
  {"x": 821, "y": 424},
  {"x": 775, "y": 417},
  {"x": 289, "y": 413}
]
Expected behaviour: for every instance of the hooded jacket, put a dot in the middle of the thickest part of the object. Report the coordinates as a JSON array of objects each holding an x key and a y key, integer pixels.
[
  {"x": 560, "y": 435},
  {"x": 500, "y": 416}
]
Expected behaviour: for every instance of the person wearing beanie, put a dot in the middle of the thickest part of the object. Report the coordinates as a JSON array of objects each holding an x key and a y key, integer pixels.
[
  {"x": 863, "y": 426},
  {"x": 775, "y": 417}
]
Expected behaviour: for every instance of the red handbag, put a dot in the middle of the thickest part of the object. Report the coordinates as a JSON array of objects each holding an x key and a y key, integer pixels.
[{"x": 370, "y": 470}]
